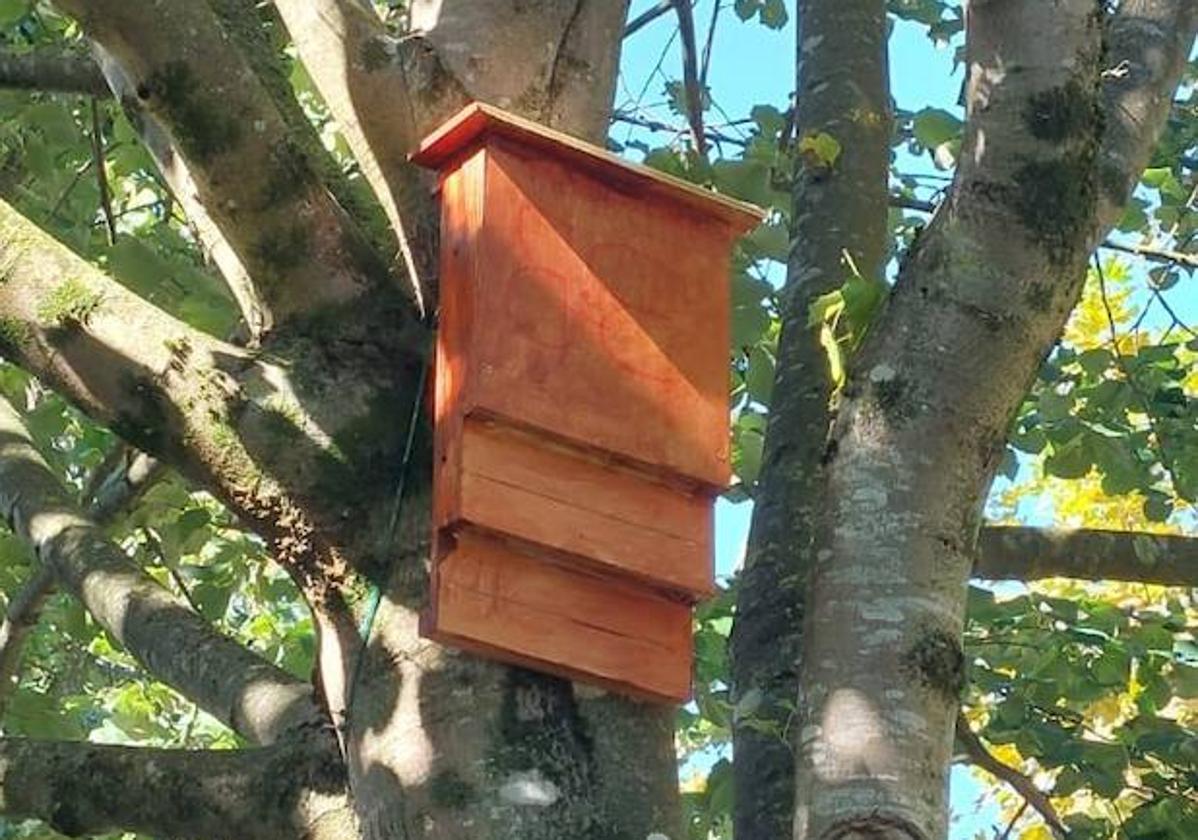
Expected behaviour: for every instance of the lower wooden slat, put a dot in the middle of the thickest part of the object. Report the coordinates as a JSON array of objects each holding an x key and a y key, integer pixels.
[
  {"x": 514, "y": 483},
  {"x": 491, "y": 599}
]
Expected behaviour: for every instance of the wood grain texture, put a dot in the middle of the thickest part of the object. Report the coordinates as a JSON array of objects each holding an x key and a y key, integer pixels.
[
  {"x": 602, "y": 319},
  {"x": 501, "y": 603},
  {"x": 602, "y": 515}
]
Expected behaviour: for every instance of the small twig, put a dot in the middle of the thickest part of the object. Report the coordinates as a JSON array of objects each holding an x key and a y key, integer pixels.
[
  {"x": 22, "y": 615},
  {"x": 716, "y": 6},
  {"x": 982, "y": 757},
  {"x": 1011, "y": 825},
  {"x": 101, "y": 175},
  {"x": 646, "y": 18},
  {"x": 70, "y": 188},
  {"x": 156, "y": 545},
  {"x": 1121, "y": 363},
  {"x": 658, "y": 125},
  {"x": 140, "y": 208},
  {"x": 1155, "y": 254},
  {"x": 1160, "y": 297},
  {"x": 906, "y": 203},
  {"x": 692, "y": 87}
]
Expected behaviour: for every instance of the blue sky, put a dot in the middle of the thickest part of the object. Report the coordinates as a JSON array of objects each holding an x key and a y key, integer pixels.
[{"x": 751, "y": 65}]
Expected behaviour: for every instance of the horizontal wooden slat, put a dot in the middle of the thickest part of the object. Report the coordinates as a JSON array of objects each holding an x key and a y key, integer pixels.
[
  {"x": 494, "y": 600},
  {"x": 515, "y": 483}
]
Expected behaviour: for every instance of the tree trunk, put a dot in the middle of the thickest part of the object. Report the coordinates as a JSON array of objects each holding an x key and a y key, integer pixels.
[
  {"x": 843, "y": 92},
  {"x": 923, "y": 416}
]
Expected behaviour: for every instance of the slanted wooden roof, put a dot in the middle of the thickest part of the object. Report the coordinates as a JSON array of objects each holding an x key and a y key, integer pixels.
[{"x": 479, "y": 121}]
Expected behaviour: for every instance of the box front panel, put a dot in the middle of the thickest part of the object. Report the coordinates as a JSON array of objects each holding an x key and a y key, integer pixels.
[
  {"x": 603, "y": 318},
  {"x": 494, "y": 600},
  {"x": 602, "y": 515}
]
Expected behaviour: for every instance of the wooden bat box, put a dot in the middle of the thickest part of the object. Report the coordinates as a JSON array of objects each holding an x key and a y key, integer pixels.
[{"x": 581, "y": 403}]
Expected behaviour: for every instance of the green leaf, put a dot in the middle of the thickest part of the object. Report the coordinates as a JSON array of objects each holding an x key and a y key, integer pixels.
[
  {"x": 1072, "y": 460},
  {"x": 821, "y": 150},
  {"x": 748, "y": 180},
  {"x": 759, "y": 378},
  {"x": 933, "y": 127},
  {"x": 750, "y": 320},
  {"x": 1054, "y": 406},
  {"x": 1095, "y": 362},
  {"x": 12, "y": 11},
  {"x": 746, "y": 9},
  {"x": 748, "y": 447},
  {"x": 773, "y": 14}
]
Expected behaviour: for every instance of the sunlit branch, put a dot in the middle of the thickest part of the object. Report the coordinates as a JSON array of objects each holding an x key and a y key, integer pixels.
[
  {"x": 169, "y": 639},
  {"x": 119, "y": 482},
  {"x": 51, "y": 70},
  {"x": 1021, "y": 553},
  {"x": 1164, "y": 255}
]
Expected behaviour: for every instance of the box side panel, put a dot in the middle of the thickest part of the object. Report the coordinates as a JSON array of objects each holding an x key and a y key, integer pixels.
[
  {"x": 602, "y": 514},
  {"x": 496, "y": 601},
  {"x": 461, "y": 223},
  {"x": 604, "y": 317}
]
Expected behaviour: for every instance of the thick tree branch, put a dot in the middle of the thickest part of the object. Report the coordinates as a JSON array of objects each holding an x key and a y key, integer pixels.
[
  {"x": 360, "y": 72},
  {"x": 260, "y": 186},
  {"x": 1015, "y": 553},
  {"x": 118, "y": 481},
  {"x": 228, "y": 420},
  {"x": 1147, "y": 44},
  {"x": 273, "y": 793},
  {"x": 19, "y": 620},
  {"x": 54, "y": 71},
  {"x": 983, "y": 758},
  {"x": 485, "y": 45},
  {"x": 177, "y": 173},
  {"x": 174, "y": 644},
  {"x": 119, "y": 358}
]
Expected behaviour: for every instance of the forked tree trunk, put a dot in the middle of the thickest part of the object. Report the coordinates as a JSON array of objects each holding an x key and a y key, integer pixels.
[
  {"x": 443, "y": 745},
  {"x": 880, "y": 544}
]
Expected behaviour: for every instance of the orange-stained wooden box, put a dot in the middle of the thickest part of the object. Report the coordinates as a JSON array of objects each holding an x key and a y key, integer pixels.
[{"x": 581, "y": 403}]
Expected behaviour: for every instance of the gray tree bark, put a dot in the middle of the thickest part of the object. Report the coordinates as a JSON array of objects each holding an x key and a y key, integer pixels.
[
  {"x": 923, "y": 418},
  {"x": 843, "y": 91}
]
